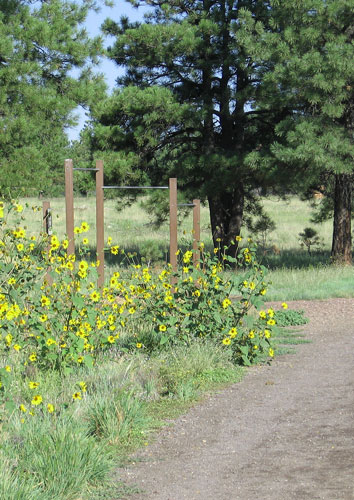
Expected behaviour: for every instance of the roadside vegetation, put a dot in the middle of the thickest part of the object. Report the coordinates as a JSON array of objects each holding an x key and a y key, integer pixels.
[
  {"x": 234, "y": 100},
  {"x": 294, "y": 273},
  {"x": 86, "y": 374}
]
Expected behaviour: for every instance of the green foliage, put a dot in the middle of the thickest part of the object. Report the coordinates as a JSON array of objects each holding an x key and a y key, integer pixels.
[
  {"x": 42, "y": 43},
  {"x": 151, "y": 251},
  {"x": 198, "y": 306},
  {"x": 311, "y": 80},
  {"x": 60, "y": 321},
  {"x": 116, "y": 417},
  {"x": 13, "y": 487},
  {"x": 187, "y": 108},
  {"x": 63, "y": 461},
  {"x": 261, "y": 228},
  {"x": 290, "y": 317},
  {"x": 80, "y": 366},
  {"x": 118, "y": 410},
  {"x": 185, "y": 371},
  {"x": 310, "y": 239}
]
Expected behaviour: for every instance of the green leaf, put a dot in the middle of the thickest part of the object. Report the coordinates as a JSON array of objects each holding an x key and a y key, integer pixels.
[
  {"x": 256, "y": 301},
  {"x": 78, "y": 301},
  {"x": 80, "y": 344},
  {"x": 163, "y": 340},
  {"x": 67, "y": 370},
  {"x": 244, "y": 349},
  {"x": 246, "y": 361},
  {"x": 10, "y": 406},
  {"x": 88, "y": 361}
]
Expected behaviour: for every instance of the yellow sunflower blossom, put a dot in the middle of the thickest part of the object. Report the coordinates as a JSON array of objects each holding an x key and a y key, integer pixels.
[{"x": 37, "y": 400}]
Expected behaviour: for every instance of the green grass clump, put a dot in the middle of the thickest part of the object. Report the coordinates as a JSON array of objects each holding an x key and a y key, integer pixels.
[
  {"x": 15, "y": 487},
  {"x": 285, "y": 339},
  {"x": 58, "y": 460},
  {"x": 71, "y": 455},
  {"x": 290, "y": 317}
]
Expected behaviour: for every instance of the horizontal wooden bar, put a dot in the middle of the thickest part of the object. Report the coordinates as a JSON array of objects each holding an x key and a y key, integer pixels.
[{"x": 185, "y": 205}]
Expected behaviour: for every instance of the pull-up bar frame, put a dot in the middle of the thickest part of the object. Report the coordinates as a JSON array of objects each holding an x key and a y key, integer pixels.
[{"x": 69, "y": 202}]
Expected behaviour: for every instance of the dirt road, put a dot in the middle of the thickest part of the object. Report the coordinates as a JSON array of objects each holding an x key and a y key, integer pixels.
[{"x": 285, "y": 432}]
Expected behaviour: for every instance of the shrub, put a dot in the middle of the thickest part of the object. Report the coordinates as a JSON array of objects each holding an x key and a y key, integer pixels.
[
  {"x": 290, "y": 317},
  {"x": 310, "y": 239},
  {"x": 53, "y": 316},
  {"x": 198, "y": 305}
]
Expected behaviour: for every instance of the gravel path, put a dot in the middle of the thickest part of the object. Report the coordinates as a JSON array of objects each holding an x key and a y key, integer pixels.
[{"x": 285, "y": 432}]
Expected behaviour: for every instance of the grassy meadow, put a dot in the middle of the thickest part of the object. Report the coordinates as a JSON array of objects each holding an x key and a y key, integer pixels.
[{"x": 294, "y": 273}]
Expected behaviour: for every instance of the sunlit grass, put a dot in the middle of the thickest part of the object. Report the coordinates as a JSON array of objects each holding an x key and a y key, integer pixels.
[
  {"x": 71, "y": 455},
  {"x": 294, "y": 273},
  {"x": 132, "y": 226},
  {"x": 129, "y": 227},
  {"x": 291, "y": 217},
  {"x": 312, "y": 283}
]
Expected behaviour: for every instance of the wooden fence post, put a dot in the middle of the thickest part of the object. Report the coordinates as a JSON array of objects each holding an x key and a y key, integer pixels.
[
  {"x": 47, "y": 218},
  {"x": 173, "y": 224},
  {"x": 69, "y": 205},
  {"x": 196, "y": 232},
  {"x": 100, "y": 222}
]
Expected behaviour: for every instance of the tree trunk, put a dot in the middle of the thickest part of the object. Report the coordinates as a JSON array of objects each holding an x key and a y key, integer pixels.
[
  {"x": 226, "y": 214},
  {"x": 342, "y": 236}
]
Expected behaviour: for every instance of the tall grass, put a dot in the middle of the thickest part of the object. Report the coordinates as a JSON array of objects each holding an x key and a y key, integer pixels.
[
  {"x": 318, "y": 282},
  {"x": 132, "y": 226},
  {"x": 70, "y": 456},
  {"x": 295, "y": 274}
]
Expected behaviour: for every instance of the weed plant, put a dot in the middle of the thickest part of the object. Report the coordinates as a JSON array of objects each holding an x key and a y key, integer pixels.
[{"x": 290, "y": 317}]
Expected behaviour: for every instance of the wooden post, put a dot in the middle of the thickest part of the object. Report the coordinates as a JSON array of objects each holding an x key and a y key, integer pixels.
[
  {"x": 47, "y": 228},
  {"x": 69, "y": 205},
  {"x": 196, "y": 232},
  {"x": 173, "y": 224},
  {"x": 100, "y": 222},
  {"x": 47, "y": 218}
]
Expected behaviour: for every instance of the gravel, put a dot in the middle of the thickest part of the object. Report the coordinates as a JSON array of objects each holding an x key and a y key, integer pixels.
[{"x": 286, "y": 431}]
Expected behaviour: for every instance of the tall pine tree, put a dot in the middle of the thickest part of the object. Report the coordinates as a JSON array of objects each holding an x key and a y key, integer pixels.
[
  {"x": 310, "y": 45},
  {"x": 185, "y": 106},
  {"x": 41, "y": 43}
]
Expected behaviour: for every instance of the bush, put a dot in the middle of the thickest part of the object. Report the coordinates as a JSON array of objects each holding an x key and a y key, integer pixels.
[
  {"x": 310, "y": 239},
  {"x": 290, "y": 317},
  {"x": 53, "y": 317}
]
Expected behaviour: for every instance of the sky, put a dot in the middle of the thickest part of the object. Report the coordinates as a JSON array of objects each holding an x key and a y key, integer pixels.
[{"x": 107, "y": 67}]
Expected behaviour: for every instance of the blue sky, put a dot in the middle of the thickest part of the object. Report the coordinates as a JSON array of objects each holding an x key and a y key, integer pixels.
[{"x": 108, "y": 68}]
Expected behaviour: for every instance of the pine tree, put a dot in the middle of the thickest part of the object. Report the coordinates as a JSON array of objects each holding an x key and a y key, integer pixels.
[
  {"x": 186, "y": 106},
  {"x": 311, "y": 48},
  {"x": 41, "y": 43}
]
